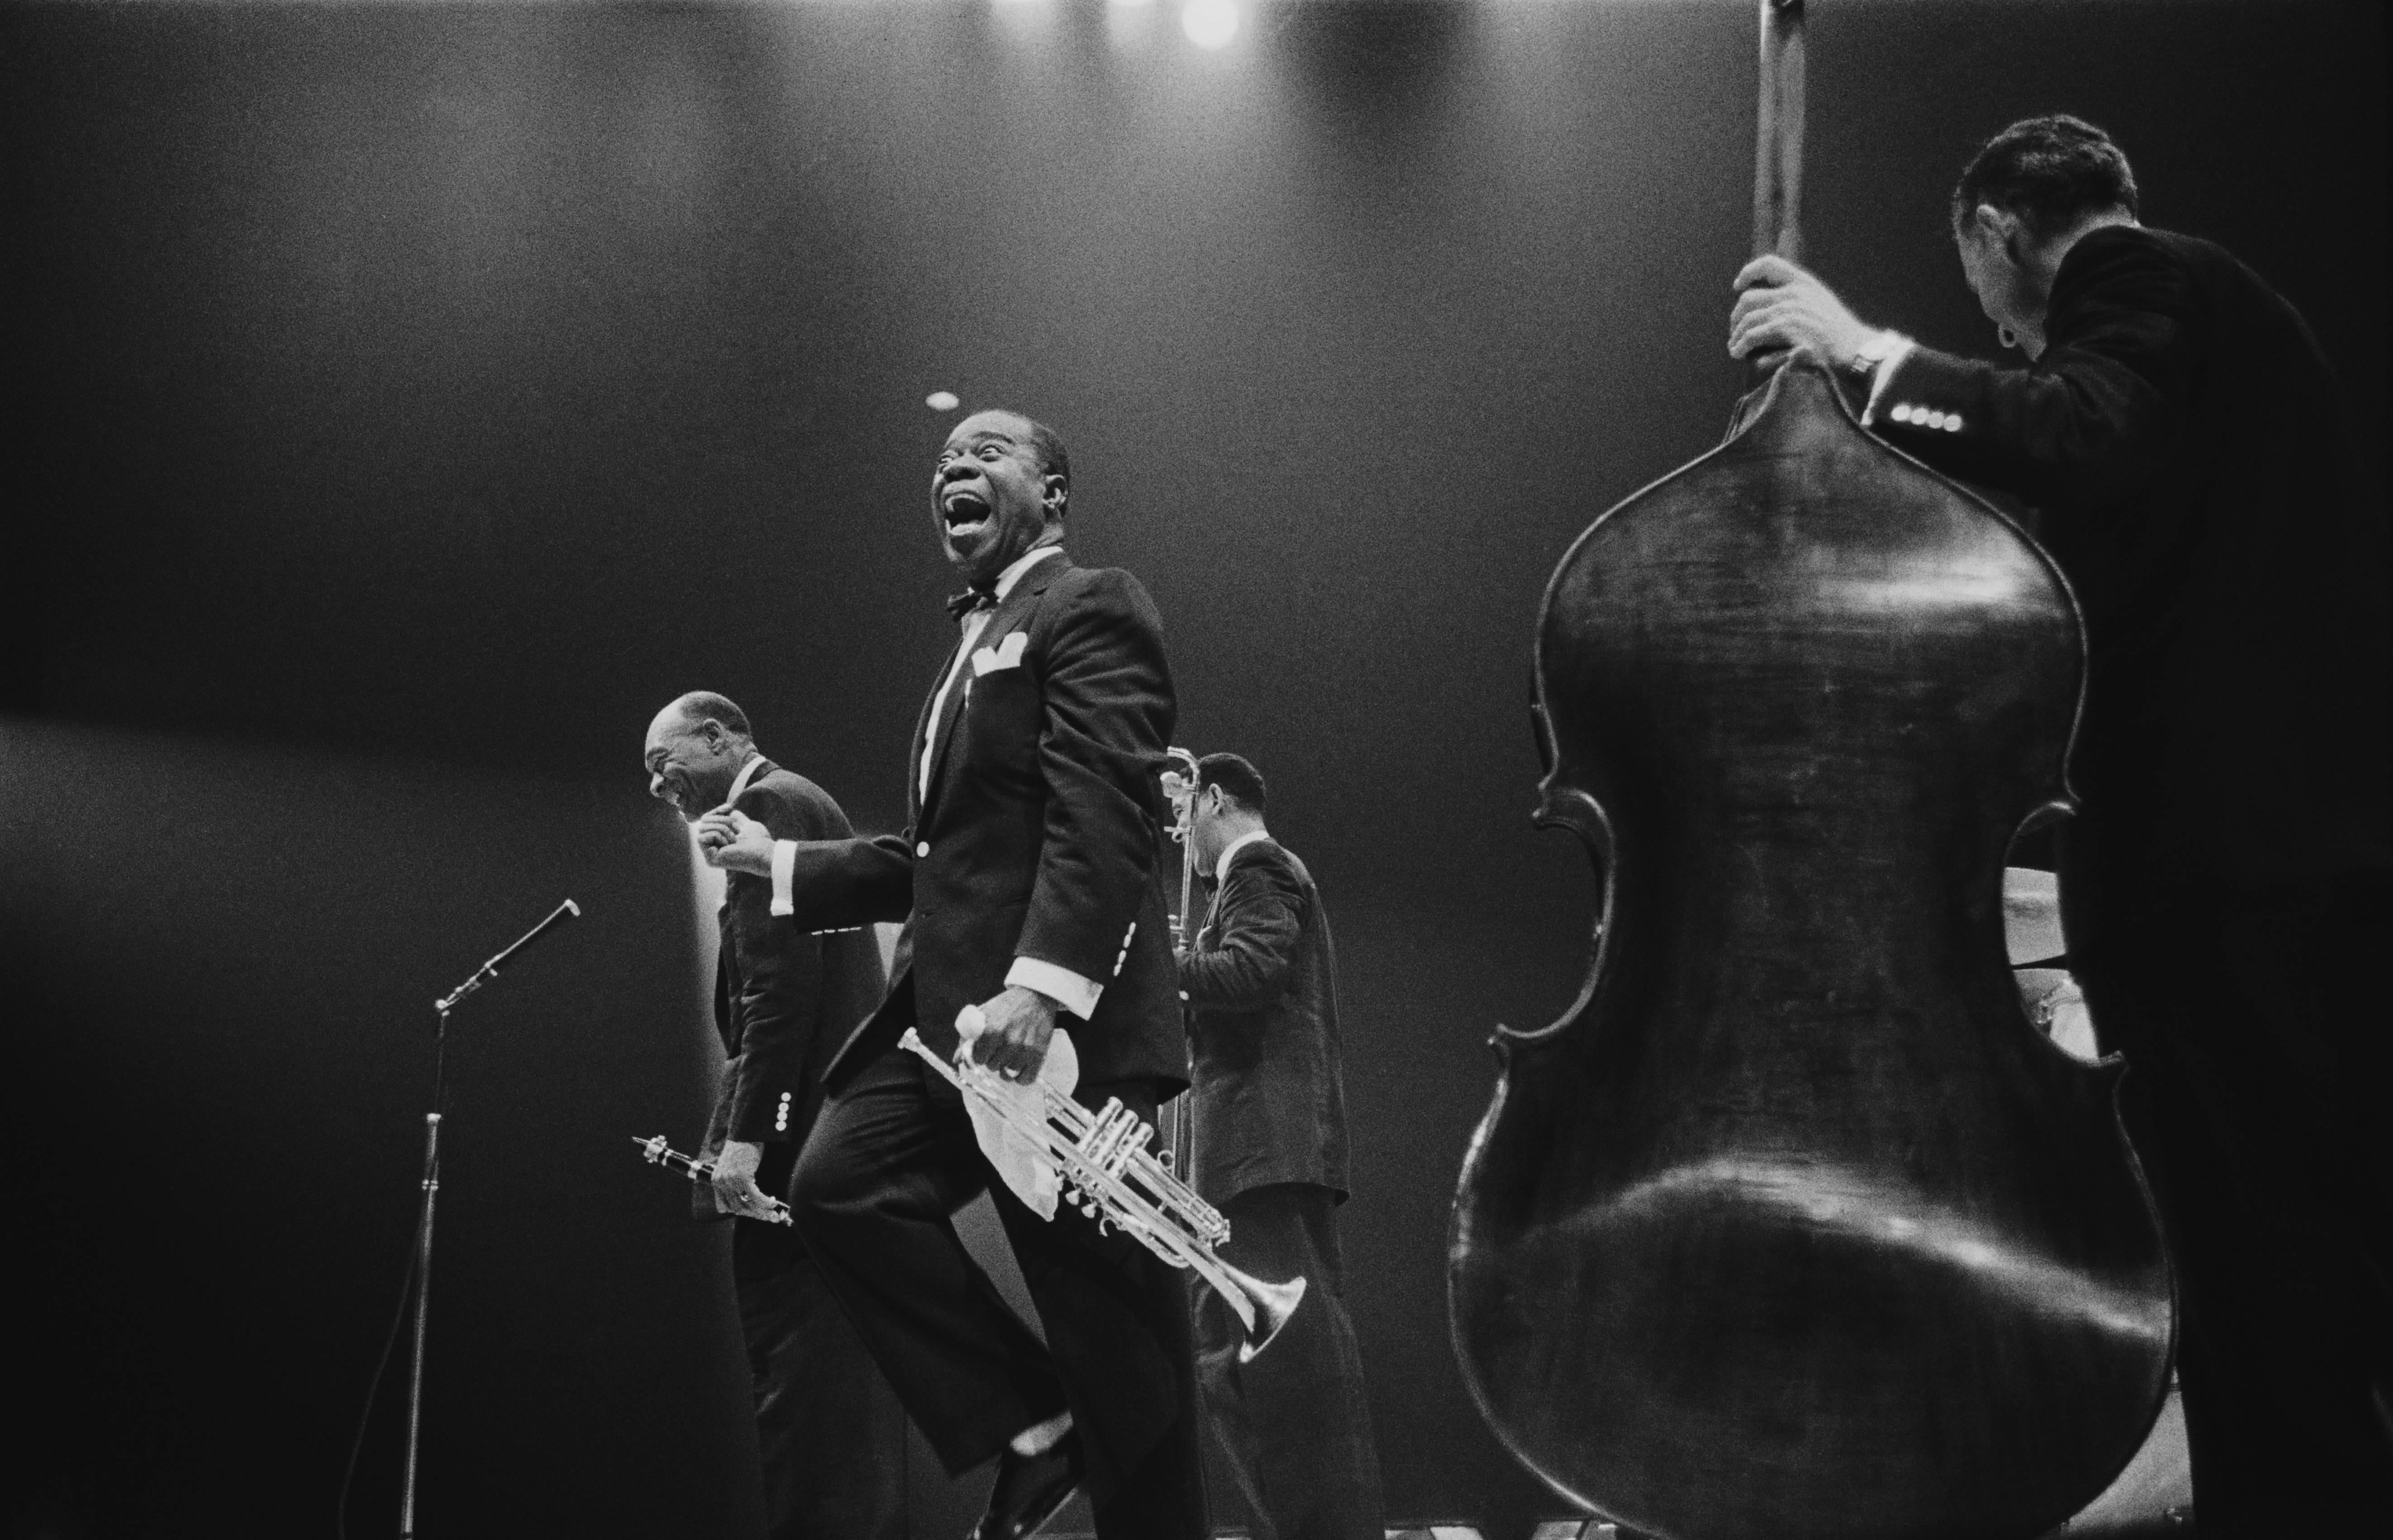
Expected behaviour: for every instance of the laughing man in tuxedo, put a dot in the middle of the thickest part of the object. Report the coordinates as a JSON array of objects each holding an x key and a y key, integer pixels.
[{"x": 1027, "y": 885}]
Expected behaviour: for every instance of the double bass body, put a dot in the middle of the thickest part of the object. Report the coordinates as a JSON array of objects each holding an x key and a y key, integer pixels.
[{"x": 1793, "y": 1225}]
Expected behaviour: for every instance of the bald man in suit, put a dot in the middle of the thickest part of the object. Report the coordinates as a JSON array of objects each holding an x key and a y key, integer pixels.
[{"x": 831, "y": 1434}]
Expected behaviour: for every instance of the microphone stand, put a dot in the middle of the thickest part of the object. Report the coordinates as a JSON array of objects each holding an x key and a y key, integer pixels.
[{"x": 444, "y": 1005}]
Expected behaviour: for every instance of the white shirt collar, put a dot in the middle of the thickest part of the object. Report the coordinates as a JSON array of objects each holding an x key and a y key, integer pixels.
[
  {"x": 1021, "y": 563},
  {"x": 747, "y": 773},
  {"x": 1222, "y": 866}
]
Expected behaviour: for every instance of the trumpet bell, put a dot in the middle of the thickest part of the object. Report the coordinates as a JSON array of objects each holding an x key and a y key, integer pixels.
[{"x": 1272, "y": 1305}]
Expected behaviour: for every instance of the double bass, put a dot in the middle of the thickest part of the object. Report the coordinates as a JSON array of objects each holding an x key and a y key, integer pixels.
[{"x": 1793, "y": 1225}]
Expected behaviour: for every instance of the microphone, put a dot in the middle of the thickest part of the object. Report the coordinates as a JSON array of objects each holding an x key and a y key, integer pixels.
[{"x": 489, "y": 971}]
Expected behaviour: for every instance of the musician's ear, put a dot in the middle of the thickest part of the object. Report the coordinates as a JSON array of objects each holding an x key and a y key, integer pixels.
[{"x": 2004, "y": 230}]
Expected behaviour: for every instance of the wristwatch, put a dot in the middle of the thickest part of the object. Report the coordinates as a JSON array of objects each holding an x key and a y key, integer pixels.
[{"x": 1880, "y": 347}]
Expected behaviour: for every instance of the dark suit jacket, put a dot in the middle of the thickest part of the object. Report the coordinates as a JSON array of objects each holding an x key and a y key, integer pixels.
[
  {"x": 2183, "y": 438},
  {"x": 784, "y": 1001},
  {"x": 1269, "y": 1096},
  {"x": 1038, "y": 837}
]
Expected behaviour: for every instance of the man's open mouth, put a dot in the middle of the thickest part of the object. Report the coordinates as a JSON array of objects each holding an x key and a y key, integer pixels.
[{"x": 966, "y": 513}]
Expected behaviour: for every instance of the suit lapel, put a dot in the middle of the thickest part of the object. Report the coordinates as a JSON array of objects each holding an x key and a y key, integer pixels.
[
  {"x": 1209, "y": 937},
  {"x": 734, "y": 882},
  {"x": 764, "y": 769},
  {"x": 921, "y": 732},
  {"x": 1018, "y": 602},
  {"x": 950, "y": 709}
]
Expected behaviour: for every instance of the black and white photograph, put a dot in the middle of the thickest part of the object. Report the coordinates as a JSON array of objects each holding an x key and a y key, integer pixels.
[{"x": 1186, "y": 769}]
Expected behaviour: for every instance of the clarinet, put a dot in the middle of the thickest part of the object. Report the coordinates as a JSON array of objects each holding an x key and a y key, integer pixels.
[{"x": 657, "y": 1153}]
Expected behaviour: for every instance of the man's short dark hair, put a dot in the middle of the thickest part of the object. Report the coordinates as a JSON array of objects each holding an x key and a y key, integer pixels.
[
  {"x": 2050, "y": 171},
  {"x": 706, "y": 706},
  {"x": 1047, "y": 444},
  {"x": 1239, "y": 781}
]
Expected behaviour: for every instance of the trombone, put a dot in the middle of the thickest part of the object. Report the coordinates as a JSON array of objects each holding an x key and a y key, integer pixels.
[
  {"x": 1177, "y": 1116},
  {"x": 1102, "y": 1160}
]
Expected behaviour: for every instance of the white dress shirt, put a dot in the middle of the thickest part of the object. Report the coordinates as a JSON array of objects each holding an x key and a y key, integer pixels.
[
  {"x": 973, "y": 624},
  {"x": 1065, "y": 987},
  {"x": 1882, "y": 356}
]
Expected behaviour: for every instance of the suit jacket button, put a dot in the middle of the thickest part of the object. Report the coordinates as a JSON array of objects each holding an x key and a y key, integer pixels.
[{"x": 922, "y": 850}]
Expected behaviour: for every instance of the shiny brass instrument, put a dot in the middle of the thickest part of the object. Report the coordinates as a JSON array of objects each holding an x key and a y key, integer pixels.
[
  {"x": 1180, "y": 786},
  {"x": 1101, "y": 1157}
]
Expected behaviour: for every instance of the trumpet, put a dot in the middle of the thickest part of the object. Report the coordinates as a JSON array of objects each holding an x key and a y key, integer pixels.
[
  {"x": 655, "y": 1152},
  {"x": 1102, "y": 1160}
]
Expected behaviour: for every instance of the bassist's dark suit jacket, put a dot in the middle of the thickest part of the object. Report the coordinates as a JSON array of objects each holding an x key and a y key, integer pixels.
[
  {"x": 2184, "y": 442},
  {"x": 2224, "y": 891},
  {"x": 1038, "y": 837}
]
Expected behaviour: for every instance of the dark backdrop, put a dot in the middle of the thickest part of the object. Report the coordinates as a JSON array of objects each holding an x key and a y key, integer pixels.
[{"x": 412, "y": 399}]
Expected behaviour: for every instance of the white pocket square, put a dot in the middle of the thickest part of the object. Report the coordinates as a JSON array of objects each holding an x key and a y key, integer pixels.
[{"x": 1005, "y": 655}]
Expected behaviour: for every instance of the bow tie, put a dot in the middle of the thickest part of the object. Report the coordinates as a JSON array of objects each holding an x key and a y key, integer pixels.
[{"x": 975, "y": 597}]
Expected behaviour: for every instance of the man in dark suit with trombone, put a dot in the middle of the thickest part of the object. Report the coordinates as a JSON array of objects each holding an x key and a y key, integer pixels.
[
  {"x": 1268, "y": 1103},
  {"x": 1027, "y": 885},
  {"x": 831, "y": 1435}
]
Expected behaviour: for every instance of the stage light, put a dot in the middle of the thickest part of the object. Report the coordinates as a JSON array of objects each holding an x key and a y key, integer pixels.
[
  {"x": 1210, "y": 24},
  {"x": 941, "y": 400},
  {"x": 1023, "y": 17},
  {"x": 1127, "y": 20}
]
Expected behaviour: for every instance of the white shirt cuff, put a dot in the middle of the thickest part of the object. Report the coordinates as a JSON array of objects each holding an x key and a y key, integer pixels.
[
  {"x": 785, "y": 860},
  {"x": 1064, "y": 986},
  {"x": 1891, "y": 351}
]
